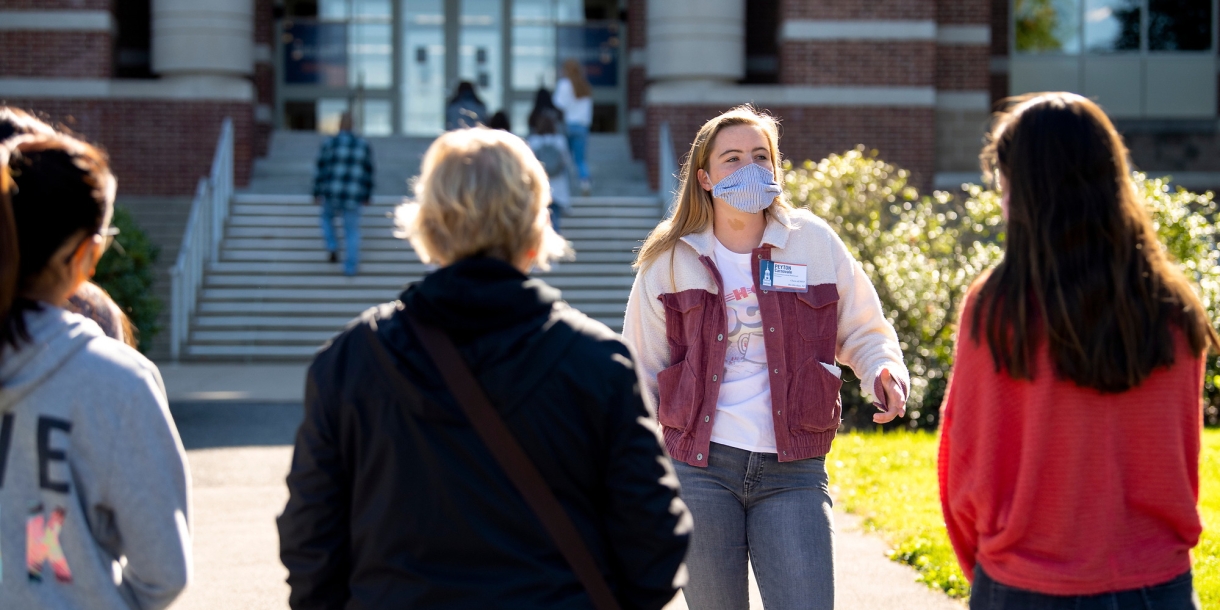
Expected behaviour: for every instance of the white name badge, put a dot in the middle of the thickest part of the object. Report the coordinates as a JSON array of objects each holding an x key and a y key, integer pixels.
[{"x": 783, "y": 277}]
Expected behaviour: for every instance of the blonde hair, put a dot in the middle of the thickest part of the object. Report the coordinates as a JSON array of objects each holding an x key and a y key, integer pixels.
[
  {"x": 575, "y": 72},
  {"x": 694, "y": 210},
  {"x": 481, "y": 192}
]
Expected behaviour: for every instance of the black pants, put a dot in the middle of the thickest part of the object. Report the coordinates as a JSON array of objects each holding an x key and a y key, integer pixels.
[{"x": 1177, "y": 594}]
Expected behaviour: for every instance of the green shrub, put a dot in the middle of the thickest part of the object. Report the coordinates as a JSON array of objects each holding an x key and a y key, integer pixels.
[
  {"x": 126, "y": 272},
  {"x": 922, "y": 253},
  {"x": 1185, "y": 222}
]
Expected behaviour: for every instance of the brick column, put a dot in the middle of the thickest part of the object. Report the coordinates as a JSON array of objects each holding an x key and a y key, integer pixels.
[
  {"x": 963, "y": 84},
  {"x": 637, "y": 75}
]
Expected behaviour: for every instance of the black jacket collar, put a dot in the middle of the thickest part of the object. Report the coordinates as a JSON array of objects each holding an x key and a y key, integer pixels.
[{"x": 477, "y": 296}]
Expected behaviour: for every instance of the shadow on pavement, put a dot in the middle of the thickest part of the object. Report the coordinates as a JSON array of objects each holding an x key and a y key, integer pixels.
[{"x": 208, "y": 425}]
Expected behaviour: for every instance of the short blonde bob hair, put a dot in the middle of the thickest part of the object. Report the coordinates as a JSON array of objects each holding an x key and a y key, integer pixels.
[{"x": 481, "y": 192}]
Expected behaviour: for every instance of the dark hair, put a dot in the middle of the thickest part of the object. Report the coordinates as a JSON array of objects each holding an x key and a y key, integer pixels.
[
  {"x": 499, "y": 120},
  {"x": 17, "y": 122},
  {"x": 1082, "y": 268},
  {"x": 545, "y": 123},
  {"x": 51, "y": 189},
  {"x": 544, "y": 103},
  {"x": 465, "y": 90}
]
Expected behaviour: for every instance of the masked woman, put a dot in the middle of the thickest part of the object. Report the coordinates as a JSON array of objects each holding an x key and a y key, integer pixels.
[{"x": 740, "y": 310}]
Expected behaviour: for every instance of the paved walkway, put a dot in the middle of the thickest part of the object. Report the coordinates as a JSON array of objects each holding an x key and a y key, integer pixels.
[{"x": 239, "y": 447}]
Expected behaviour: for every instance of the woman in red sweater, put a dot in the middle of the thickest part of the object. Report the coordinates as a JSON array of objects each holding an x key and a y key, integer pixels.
[{"x": 1069, "y": 450}]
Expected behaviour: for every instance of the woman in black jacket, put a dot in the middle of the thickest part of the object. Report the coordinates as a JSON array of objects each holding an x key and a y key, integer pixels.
[{"x": 396, "y": 502}]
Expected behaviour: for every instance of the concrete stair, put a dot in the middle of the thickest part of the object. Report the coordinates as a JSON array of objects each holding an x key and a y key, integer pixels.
[
  {"x": 273, "y": 296},
  {"x": 289, "y": 165}
]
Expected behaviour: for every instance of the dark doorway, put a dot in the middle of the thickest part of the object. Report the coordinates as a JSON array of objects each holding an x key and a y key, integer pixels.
[{"x": 133, "y": 39}]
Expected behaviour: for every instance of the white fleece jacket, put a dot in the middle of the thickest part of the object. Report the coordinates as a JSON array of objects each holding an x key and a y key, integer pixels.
[{"x": 866, "y": 341}]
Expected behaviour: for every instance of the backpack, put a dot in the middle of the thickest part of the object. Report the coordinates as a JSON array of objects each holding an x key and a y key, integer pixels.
[{"x": 552, "y": 159}]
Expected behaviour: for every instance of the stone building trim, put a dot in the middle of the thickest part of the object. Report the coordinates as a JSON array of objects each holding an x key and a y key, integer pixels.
[
  {"x": 184, "y": 88},
  {"x": 963, "y": 100},
  {"x": 87, "y": 21},
  {"x": 964, "y": 35},
  {"x": 809, "y": 29},
  {"x": 703, "y": 94}
]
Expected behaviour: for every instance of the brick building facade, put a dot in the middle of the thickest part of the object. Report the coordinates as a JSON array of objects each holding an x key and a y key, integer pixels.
[
  {"x": 154, "y": 100},
  {"x": 917, "y": 80}
]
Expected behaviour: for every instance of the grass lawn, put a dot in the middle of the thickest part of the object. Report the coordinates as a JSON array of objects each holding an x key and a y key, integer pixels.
[{"x": 890, "y": 480}]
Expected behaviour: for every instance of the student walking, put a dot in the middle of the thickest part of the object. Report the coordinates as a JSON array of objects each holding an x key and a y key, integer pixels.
[
  {"x": 399, "y": 495},
  {"x": 94, "y": 505},
  {"x": 1069, "y": 455},
  {"x": 343, "y": 183},
  {"x": 740, "y": 310},
  {"x": 550, "y": 147},
  {"x": 574, "y": 97}
]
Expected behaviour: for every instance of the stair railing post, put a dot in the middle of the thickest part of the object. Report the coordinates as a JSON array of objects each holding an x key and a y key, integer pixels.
[
  {"x": 667, "y": 169},
  {"x": 201, "y": 239}
]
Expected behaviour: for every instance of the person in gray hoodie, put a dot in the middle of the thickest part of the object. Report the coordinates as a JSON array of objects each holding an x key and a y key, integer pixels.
[{"x": 94, "y": 491}]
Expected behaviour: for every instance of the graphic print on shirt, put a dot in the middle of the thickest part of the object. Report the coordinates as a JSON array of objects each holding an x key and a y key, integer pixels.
[
  {"x": 42, "y": 544},
  {"x": 745, "y": 354}
]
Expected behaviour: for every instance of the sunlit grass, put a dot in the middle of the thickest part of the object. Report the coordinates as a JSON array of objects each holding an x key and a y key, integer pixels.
[
  {"x": 890, "y": 480},
  {"x": 1207, "y": 554}
]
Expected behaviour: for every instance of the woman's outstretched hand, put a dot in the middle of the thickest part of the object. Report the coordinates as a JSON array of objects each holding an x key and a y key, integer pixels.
[{"x": 893, "y": 398}]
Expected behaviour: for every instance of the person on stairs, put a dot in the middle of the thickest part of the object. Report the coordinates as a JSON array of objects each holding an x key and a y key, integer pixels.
[
  {"x": 551, "y": 148},
  {"x": 342, "y": 185},
  {"x": 574, "y": 96}
]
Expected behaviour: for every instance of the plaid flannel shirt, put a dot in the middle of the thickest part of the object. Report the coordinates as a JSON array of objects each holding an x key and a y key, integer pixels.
[{"x": 344, "y": 177}]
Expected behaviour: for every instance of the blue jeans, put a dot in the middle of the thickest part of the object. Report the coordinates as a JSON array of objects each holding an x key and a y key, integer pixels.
[
  {"x": 351, "y": 233},
  {"x": 1177, "y": 594},
  {"x": 556, "y": 216},
  {"x": 578, "y": 141},
  {"x": 749, "y": 507}
]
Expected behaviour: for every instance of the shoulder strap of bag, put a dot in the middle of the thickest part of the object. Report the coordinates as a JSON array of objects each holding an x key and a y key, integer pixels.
[{"x": 508, "y": 453}]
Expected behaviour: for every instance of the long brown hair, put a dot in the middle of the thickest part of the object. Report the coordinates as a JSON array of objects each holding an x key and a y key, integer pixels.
[
  {"x": 694, "y": 211},
  {"x": 1082, "y": 269},
  {"x": 51, "y": 188},
  {"x": 574, "y": 72}
]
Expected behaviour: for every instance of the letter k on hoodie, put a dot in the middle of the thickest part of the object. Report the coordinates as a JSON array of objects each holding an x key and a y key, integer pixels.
[{"x": 94, "y": 505}]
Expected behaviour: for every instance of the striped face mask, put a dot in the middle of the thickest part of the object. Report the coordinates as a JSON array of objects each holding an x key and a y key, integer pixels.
[{"x": 750, "y": 189}]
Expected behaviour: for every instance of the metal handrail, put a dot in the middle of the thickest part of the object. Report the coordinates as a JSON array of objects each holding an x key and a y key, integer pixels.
[
  {"x": 201, "y": 240},
  {"x": 667, "y": 173}
]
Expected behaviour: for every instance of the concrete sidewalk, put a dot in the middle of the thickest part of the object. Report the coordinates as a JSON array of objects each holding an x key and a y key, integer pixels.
[
  {"x": 236, "y": 382},
  {"x": 238, "y": 421}
]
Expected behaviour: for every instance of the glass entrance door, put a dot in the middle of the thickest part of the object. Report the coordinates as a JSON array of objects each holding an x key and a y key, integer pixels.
[
  {"x": 481, "y": 51},
  {"x": 396, "y": 63},
  {"x": 423, "y": 77}
]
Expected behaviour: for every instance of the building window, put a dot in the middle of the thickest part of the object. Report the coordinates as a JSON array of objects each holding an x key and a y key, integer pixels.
[
  {"x": 1138, "y": 58},
  {"x": 1112, "y": 26}
]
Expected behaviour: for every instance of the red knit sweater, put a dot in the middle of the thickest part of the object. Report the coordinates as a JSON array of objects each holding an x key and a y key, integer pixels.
[{"x": 1064, "y": 490}]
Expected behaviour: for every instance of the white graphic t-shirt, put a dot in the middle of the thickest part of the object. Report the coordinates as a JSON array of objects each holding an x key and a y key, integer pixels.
[{"x": 743, "y": 409}]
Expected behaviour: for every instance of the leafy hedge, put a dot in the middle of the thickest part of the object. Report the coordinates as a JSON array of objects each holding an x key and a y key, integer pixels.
[
  {"x": 922, "y": 253},
  {"x": 126, "y": 272}
]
